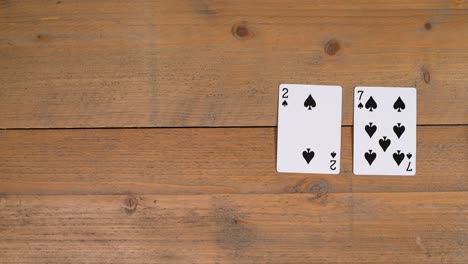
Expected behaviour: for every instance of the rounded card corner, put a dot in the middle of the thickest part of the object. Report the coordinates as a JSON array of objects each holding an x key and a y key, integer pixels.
[{"x": 278, "y": 170}]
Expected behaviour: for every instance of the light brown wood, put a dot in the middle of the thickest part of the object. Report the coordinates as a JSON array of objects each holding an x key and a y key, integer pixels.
[
  {"x": 219, "y": 63},
  {"x": 212, "y": 195},
  {"x": 296, "y": 228},
  {"x": 205, "y": 160}
]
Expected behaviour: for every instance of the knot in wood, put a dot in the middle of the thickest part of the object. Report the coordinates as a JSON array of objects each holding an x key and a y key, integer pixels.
[
  {"x": 241, "y": 31},
  {"x": 332, "y": 47},
  {"x": 318, "y": 189},
  {"x": 426, "y": 76},
  {"x": 428, "y": 26},
  {"x": 130, "y": 204}
]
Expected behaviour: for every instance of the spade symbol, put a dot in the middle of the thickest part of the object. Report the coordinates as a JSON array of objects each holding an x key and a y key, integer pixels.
[
  {"x": 409, "y": 155},
  {"x": 384, "y": 143},
  {"x": 371, "y": 104},
  {"x": 360, "y": 106},
  {"x": 308, "y": 155},
  {"x": 399, "y": 130},
  {"x": 285, "y": 103},
  {"x": 398, "y": 157},
  {"x": 333, "y": 154},
  {"x": 370, "y": 156},
  {"x": 370, "y": 129},
  {"x": 399, "y": 104},
  {"x": 309, "y": 102}
]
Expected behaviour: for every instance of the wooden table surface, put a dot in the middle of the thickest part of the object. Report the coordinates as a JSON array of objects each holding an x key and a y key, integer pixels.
[{"x": 144, "y": 131}]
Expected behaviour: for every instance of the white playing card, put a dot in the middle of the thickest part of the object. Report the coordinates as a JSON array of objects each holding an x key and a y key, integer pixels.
[
  {"x": 309, "y": 129},
  {"x": 384, "y": 131}
]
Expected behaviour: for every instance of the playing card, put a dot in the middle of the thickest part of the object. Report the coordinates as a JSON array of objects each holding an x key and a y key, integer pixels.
[
  {"x": 309, "y": 129},
  {"x": 384, "y": 131}
]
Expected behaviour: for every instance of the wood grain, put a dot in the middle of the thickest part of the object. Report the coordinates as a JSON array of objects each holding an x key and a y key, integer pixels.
[
  {"x": 212, "y": 195},
  {"x": 296, "y": 228},
  {"x": 204, "y": 161},
  {"x": 218, "y": 63}
]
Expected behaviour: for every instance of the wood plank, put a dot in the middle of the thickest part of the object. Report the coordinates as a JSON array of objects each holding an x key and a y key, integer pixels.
[
  {"x": 204, "y": 161},
  {"x": 296, "y": 228},
  {"x": 219, "y": 63}
]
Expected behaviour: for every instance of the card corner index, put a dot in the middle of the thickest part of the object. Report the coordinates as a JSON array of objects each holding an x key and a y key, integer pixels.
[{"x": 337, "y": 171}]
